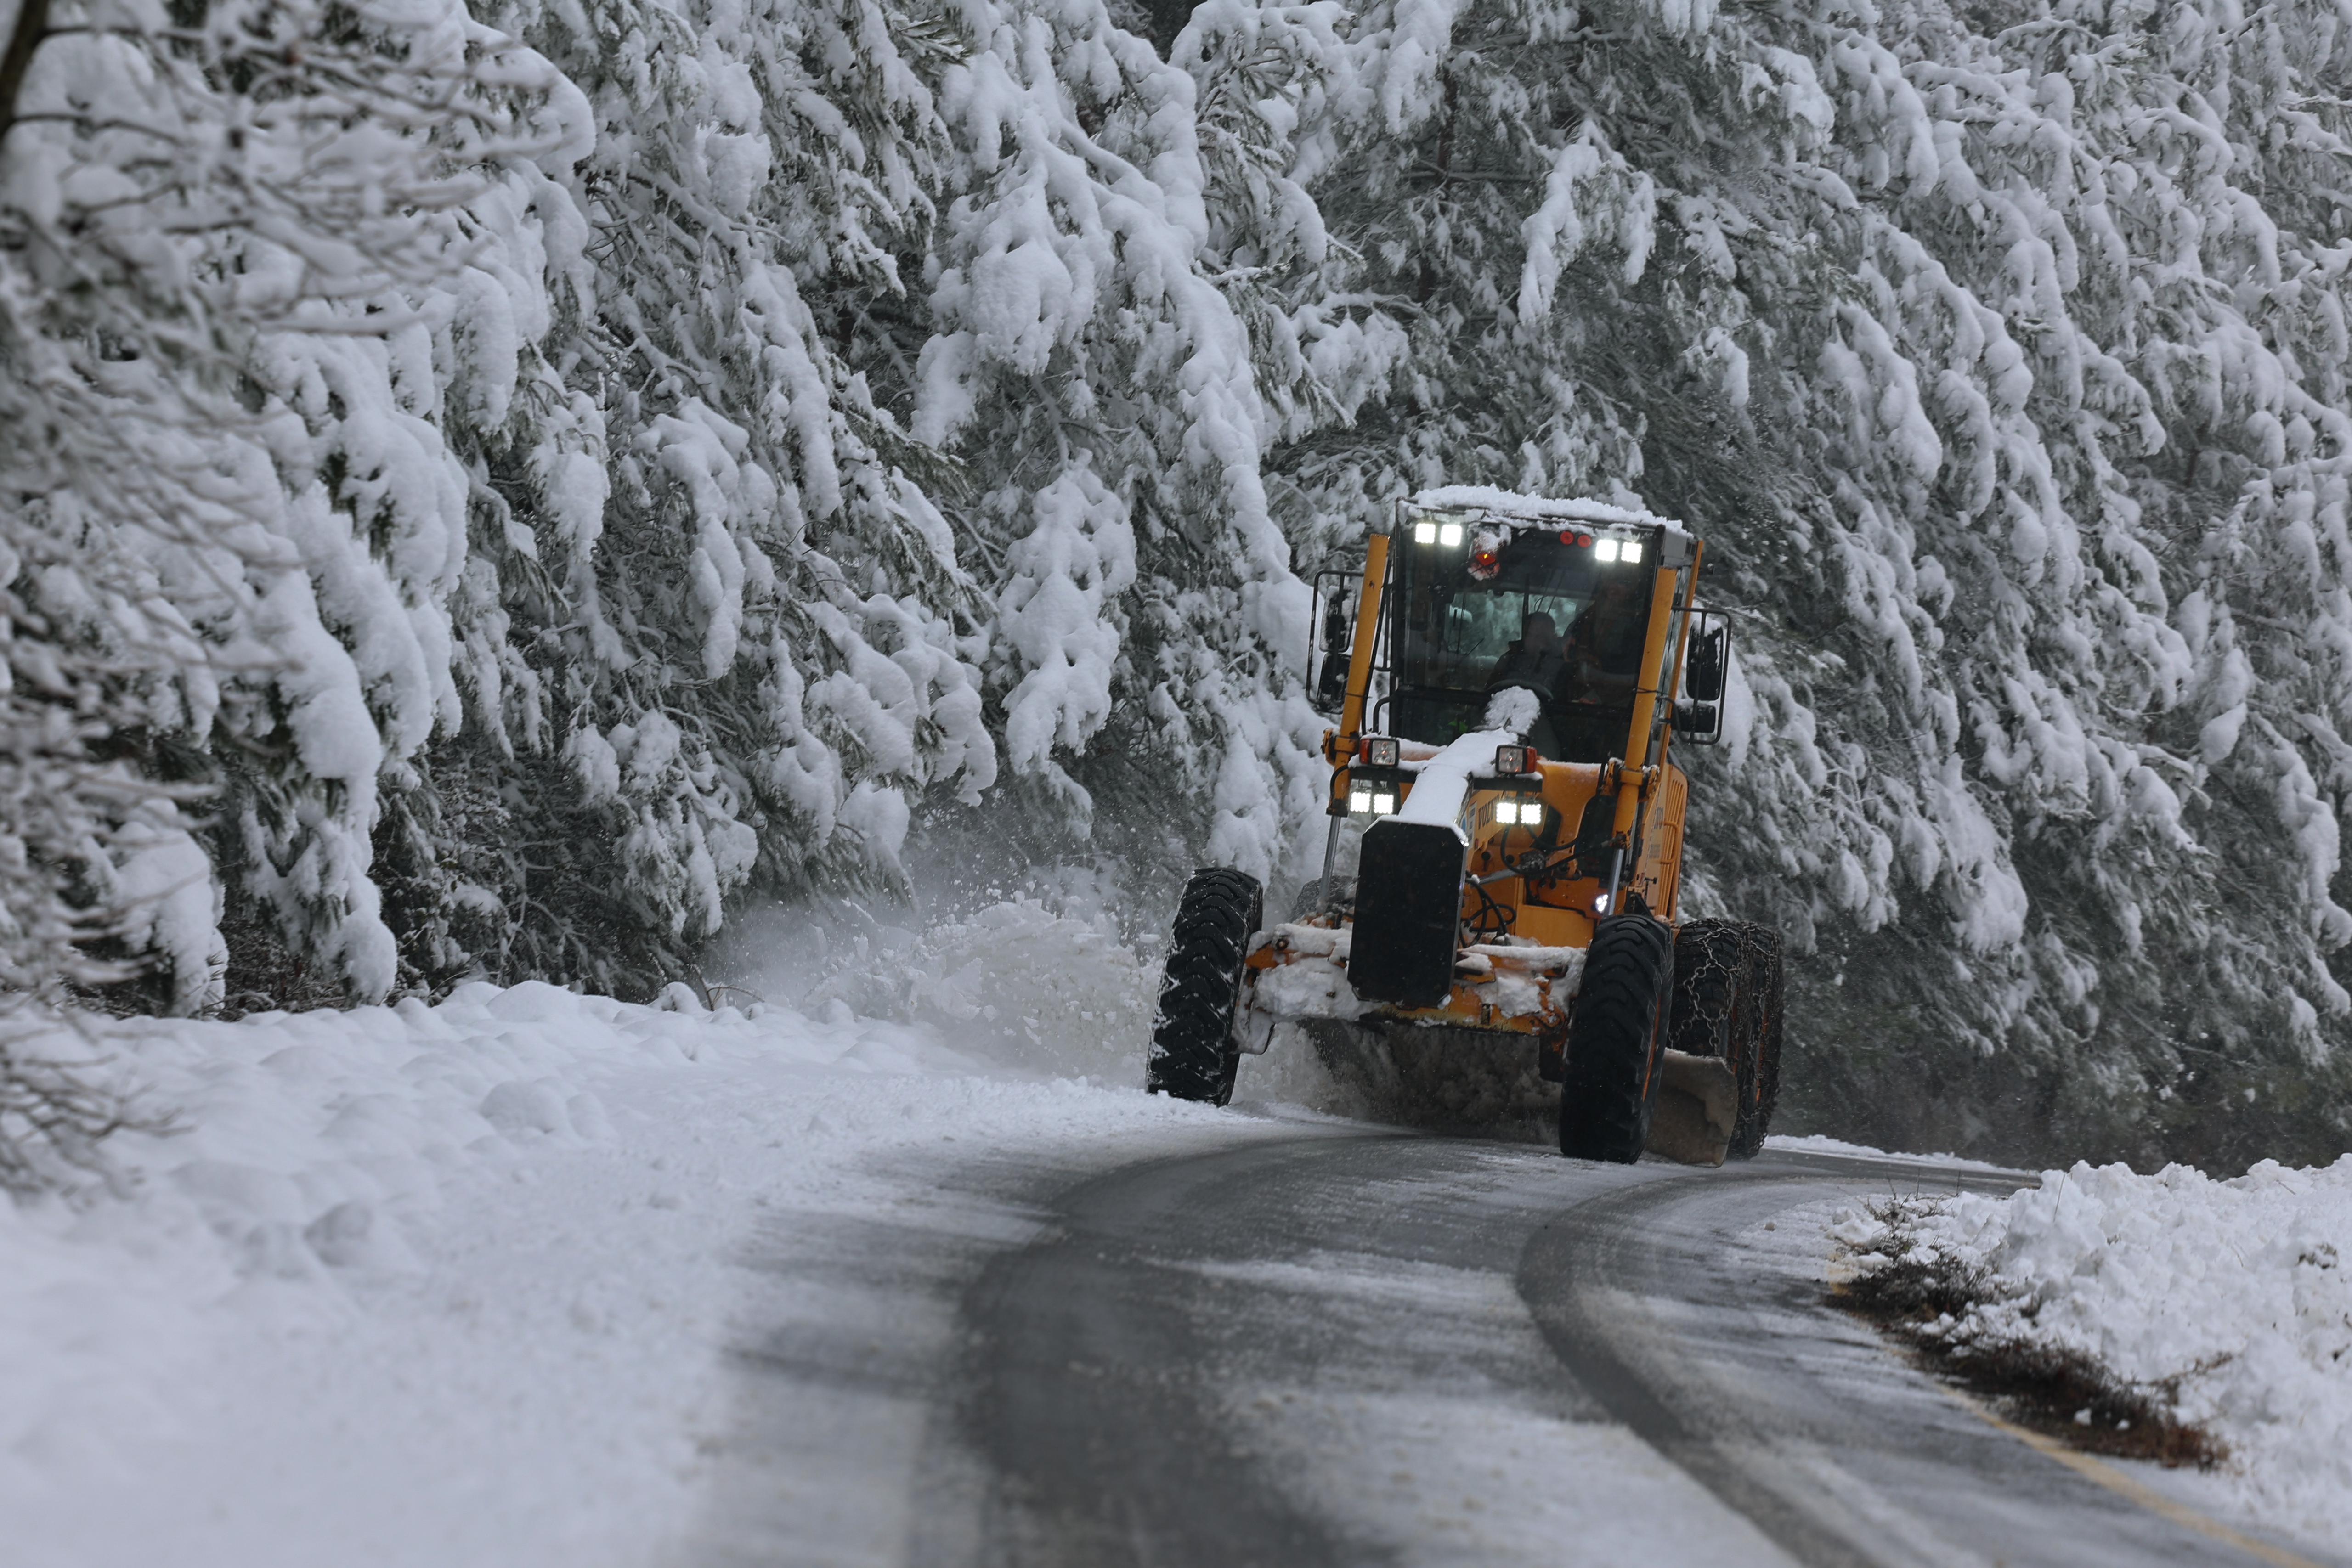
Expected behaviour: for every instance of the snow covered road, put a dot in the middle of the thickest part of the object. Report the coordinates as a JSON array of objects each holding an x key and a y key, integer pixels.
[
  {"x": 530, "y": 1278},
  {"x": 1326, "y": 1345}
]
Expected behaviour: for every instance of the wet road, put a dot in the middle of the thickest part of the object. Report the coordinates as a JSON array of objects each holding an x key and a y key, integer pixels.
[{"x": 1328, "y": 1345}]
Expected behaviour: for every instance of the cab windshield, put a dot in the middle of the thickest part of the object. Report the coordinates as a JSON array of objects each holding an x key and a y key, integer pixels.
[{"x": 1541, "y": 612}]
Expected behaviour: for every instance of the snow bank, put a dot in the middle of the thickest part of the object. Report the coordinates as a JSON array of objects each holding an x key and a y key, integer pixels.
[
  {"x": 1816, "y": 1144},
  {"x": 453, "y": 1284},
  {"x": 2234, "y": 1292}
]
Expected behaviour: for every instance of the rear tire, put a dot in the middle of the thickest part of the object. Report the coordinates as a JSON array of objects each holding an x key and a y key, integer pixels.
[
  {"x": 1727, "y": 1005},
  {"x": 1755, "y": 1120},
  {"x": 1194, "y": 1053},
  {"x": 1309, "y": 900},
  {"x": 1616, "y": 1036}
]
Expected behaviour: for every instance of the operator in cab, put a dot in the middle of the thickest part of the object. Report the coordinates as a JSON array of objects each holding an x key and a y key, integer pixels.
[
  {"x": 1534, "y": 660},
  {"x": 1604, "y": 655},
  {"x": 1585, "y": 680}
]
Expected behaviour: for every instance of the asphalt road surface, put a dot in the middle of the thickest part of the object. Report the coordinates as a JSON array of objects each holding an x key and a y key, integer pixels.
[{"x": 1342, "y": 1346}]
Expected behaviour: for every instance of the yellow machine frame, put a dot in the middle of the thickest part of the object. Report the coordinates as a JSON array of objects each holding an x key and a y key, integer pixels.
[{"x": 1553, "y": 911}]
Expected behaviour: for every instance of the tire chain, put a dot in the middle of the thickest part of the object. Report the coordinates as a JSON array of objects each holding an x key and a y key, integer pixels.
[
  {"x": 1769, "y": 983},
  {"x": 1727, "y": 1004}
]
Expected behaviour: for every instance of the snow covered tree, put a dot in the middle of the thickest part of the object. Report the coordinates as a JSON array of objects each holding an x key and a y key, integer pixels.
[
  {"x": 1994, "y": 350},
  {"x": 506, "y": 486},
  {"x": 200, "y": 208},
  {"x": 1090, "y": 355}
]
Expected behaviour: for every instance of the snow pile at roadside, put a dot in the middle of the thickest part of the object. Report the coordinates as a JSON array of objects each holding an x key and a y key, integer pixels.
[
  {"x": 2237, "y": 1292},
  {"x": 452, "y": 1284},
  {"x": 1817, "y": 1143}
]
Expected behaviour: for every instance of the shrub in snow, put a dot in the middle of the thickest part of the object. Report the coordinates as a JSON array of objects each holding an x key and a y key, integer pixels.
[{"x": 2229, "y": 1297}]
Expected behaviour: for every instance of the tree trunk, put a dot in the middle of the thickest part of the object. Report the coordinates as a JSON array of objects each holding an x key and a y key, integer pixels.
[{"x": 31, "y": 27}]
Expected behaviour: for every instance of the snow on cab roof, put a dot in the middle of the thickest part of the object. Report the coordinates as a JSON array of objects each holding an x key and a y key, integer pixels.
[{"x": 1509, "y": 503}]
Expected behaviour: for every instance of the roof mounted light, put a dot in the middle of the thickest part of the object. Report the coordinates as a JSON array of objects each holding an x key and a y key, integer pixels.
[
  {"x": 1449, "y": 535},
  {"x": 1379, "y": 751},
  {"x": 1509, "y": 759}
]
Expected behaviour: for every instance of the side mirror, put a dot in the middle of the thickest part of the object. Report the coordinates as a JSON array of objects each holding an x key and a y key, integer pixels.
[
  {"x": 1331, "y": 681},
  {"x": 1700, "y": 721},
  {"x": 1703, "y": 669},
  {"x": 1335, "y": 630}
]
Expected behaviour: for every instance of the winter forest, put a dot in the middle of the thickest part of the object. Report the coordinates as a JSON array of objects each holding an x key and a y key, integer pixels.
[{"x": 491, "y": 491}]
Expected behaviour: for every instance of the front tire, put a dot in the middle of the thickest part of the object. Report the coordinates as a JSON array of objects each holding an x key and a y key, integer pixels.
[
  {"x": 1194, "y": 1053},
  {"x": 1616, "y": 1040}
]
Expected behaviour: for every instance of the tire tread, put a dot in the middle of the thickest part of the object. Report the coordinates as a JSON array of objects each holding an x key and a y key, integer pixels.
[
  {"x": 1609, "y": 1088},
  {"x": 1192, "y": 1054}
]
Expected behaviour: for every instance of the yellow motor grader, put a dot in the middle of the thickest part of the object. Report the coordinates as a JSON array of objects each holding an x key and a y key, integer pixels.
[{"x": 1507, "y": 674}]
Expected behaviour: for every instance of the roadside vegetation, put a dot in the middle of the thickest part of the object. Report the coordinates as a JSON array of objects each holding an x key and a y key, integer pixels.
[{"x": 1934, "y": 1303}]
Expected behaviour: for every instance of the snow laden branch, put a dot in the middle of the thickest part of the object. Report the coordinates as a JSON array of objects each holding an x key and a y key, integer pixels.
[
  {"x": 505, "y": 488},
  {"x": 208, "y": 219},
  {"x": 2011, "y": 357}
]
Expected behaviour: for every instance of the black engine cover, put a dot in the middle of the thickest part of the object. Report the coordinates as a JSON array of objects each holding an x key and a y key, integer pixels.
[{"x": 1408, "y": 913}]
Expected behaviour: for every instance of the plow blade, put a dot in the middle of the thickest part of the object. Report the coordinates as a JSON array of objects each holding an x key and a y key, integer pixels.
[{"x": 1698, "y": 1104}]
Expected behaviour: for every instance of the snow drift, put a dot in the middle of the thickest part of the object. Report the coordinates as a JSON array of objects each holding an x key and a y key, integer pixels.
[{"x": 2233, "y": 1293}]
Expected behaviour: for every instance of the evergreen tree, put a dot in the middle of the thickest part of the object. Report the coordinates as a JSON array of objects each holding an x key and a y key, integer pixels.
[
  {"x": 1974, "y": 347},
  {"x": 500, "y": 490}
]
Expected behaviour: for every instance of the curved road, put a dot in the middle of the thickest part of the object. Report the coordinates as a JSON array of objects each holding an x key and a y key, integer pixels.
[{"x": 1345, "y": 1346}]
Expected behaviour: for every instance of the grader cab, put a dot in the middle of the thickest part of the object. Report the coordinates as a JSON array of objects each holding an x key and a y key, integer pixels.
[{"x": 1503, "y": 868}]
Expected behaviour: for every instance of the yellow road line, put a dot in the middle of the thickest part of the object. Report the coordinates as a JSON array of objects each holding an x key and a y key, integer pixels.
[{"x": 2097, "y": 1470}]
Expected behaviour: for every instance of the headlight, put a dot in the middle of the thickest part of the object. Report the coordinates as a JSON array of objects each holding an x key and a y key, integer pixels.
[
  {"x": 1605, "y": 550},
  {"x": 1599, "y": 904},
  {"x": 1519, "y": 813},
  {"x": 1449, "y": 534},
  {"x": 1425, "y": 533}
]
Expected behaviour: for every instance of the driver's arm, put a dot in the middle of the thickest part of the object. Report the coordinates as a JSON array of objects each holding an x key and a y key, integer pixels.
[{"x": 1507, "y": 668}]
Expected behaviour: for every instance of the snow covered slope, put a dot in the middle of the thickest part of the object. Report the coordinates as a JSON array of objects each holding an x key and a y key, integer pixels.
[
  {"x": 2235, "y": 1292},
  {"x": 450, "y": 1285}
]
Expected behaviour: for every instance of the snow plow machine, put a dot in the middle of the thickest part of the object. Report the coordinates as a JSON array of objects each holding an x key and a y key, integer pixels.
[{"x": 1502, "y": 872}]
